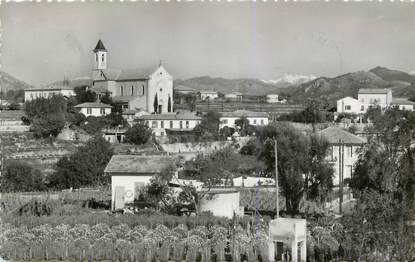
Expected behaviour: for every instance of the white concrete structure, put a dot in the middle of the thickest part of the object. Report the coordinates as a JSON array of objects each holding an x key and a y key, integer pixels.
[
  {"x": 255, "y": 118},
  {"x": 403, "y": 104},
  {"x": 343, "y": 151},
  {"x": 372, "y": 97},
  {"x": 150, "y": 91},
  {"x": 159, "y": 123},
  {"x": 250, "y": 181},
  {"x": 369, "y": 97},
  {"x": 94, "y": 109},
  {"x": 348, "y": 105},
  {"x": 291, "y": 232},
  {"x": 235, "y": 96},
  {"x": 272, "y": 98},
  {"x": 130, "y": 173},
  {"x": 222, "y": 202},
  {"x": 211, "y": 95},
  {"x": 48, "y": 91}
]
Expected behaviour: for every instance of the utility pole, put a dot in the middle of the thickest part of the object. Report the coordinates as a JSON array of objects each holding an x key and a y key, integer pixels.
[
  {"x": 341, "y": 165},
  {"x": 276, "y": 177}
]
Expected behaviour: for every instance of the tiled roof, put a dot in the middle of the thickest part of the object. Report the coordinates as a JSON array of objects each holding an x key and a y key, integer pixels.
[
  {"x": 100, "y": 46},
  {"x": 125, "y": 74},
  {"x": 374, "y": 90},
  {"x": 244, "y": 113},
  {"x": 51, "y": 87},
  {"x": 170, "y": 117},
  {"x": 136, "y": 164},
  {"x": 402, "y": 101},
  {"x": 333, "y": 135},
  {"x": 208, "y": 92},
  {"x": 93, "y": 105}
]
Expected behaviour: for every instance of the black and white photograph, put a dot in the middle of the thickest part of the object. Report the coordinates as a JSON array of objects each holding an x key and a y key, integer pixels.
[{"x": 207, "y": 131}]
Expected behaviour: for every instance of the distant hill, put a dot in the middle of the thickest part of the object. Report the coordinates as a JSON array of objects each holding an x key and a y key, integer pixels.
[
  {"x": 8, "y": 82},
  {"x": 348, "y": 85},
  {"x": 223, "y": 85},
  {"x": 393, "y": 75}
]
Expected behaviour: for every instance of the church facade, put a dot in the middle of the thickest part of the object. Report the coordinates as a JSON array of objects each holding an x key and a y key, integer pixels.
[{"x": 150, "y": 91}]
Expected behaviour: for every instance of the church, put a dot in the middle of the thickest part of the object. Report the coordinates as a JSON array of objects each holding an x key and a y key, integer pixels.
[{"x": 136, "y": 90}]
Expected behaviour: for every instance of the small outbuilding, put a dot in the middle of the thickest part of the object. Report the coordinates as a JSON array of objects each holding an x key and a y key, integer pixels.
[
  {"x": 130, "y": 173},
  {"x": 94, "y": 109},
  {"x": 222, "y": 202}
]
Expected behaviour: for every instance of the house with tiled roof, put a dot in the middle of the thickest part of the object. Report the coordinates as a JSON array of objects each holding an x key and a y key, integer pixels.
[
  {"x": 343, "y": 151},
  {"x": 94, "y": 109},
  {"x": 135, "y": 89},
  {"x": 161, "y": 124},
  {"x": 255, "y": 118},
  {"x": 130, "y": 173}
]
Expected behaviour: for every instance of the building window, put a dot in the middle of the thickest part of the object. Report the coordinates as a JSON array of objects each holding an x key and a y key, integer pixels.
[
  {"x": 362, "y": 108},
  {"x": 181, "y": 124},
  {"x": 262, "y": 122},
  {"x": 89, "y": 111},
  {"x": 154, "y": 124},
  {"x": 254, "y": 121},
  {"x": 142, "y": 90},
  {"x": 187, "y": 124},
  {"x": 171, "y": 124},
  {"x": 162, "y": 133},
  {"x": 103, "y": 57},
  {"x": 122, "y": 90},
  {"x": 347, "y": 107},
  {"x": 162, "y": 124},
  {"x": 225, "y": 121},
  {"x": 350, "y": 151},
  {"x": 132, "y": 90},
  {"x": 96, "y": 57},
  {"x": 330, "y": 153},
  {"x": 102, "y": 111}
]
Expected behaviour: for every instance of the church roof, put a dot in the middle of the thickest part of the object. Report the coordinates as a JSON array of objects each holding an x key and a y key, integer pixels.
[
  {"x": 126, "y": 74},
  {"x": 100, "y": 46}
]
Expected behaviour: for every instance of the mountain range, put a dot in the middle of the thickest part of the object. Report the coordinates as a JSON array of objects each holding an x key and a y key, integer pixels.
[
  {"x": 296, "y": 87},
  {"x": 8, "y": 82}
]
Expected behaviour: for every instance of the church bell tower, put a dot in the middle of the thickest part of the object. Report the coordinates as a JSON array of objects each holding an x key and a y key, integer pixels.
[{"x": 100, "y": 60}]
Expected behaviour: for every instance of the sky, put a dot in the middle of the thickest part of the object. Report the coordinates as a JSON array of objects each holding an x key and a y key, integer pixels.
[{"x": 43, "y": 42}]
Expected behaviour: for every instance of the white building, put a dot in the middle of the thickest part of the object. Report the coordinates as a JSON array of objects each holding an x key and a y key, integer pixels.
[
  {"x": 348, "y": 105},
  {"x": 211, "y": 95},
  {"x": 222, "y": 202},
  {"x": 235, "y": 96},
  {"x": 403, "y": 104},
  {"x": 146, "y": 90},
  {"x": 94, "y": 109},
  {"x": 130, "y": 173},
  {"x": 343, "y": 151},
  {"x": 368, "y": 97},
  {"x": 255, "y": 118},
  {"x": 374, "y": 96},
  {"x": 272, "y": 98},
  {"x": 48, "y": 91},
  {"x": 159, "y": 123}
]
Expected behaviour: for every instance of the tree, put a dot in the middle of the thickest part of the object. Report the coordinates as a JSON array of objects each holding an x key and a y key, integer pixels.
[
  {"x": 169, "y": 107},
  {"x": 156, "y": 104},
  {"x": 226, "y": 132},
  {"x": 85, "y": 167},
  {"x": 244, "y": 127},
  {"x": 297, "y": 156},
  {"x": 21, "y": 177},
  {"x": 138, "y": 134},
  {"x": 83, "y": 95},
  {"x": 208, "y": 128},
  {"x": 47, "y": 115}
]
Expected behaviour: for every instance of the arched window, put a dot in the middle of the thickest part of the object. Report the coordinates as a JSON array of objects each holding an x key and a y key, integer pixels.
[
  {"x": 103, "y": 56},
  {"x": 96, "y": 57}
]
